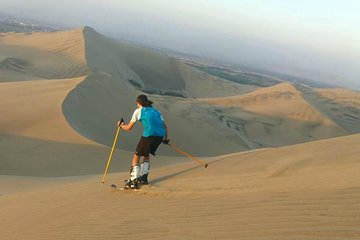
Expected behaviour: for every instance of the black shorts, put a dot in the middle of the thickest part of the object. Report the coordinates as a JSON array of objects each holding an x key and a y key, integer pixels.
[{"x": 148, "y": 145}]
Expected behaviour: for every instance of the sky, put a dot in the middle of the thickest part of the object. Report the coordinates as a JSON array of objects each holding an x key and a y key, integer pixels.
[{"x": 312, "y": 38}]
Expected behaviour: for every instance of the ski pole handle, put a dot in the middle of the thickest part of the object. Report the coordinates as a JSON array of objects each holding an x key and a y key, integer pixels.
[{"x": 120, "y": 122}]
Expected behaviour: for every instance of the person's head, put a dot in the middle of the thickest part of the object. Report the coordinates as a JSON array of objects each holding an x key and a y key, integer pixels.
[{"x": 144, "y": 101}]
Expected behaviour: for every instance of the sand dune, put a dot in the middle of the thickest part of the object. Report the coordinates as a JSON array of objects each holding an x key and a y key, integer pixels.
[
  {"x": 345, "y": 96},
  {"x": 250, "y": 126},
  {"x": 340, "y": 105},
  {"x": 54, "y": 55},
  {"x": 150, "y": 71},
  {"x": 36, "y": 111},
  {"x": 288, "y": 101},
  {"x": 295, "y": 192},
  {"x": 268, "y": 116},
  {"x": 67, "y": 114},
  {"x": 109, "y": 92}
]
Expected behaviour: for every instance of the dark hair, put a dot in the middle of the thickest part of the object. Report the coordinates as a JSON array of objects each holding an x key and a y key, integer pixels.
[{"x": 143, "y": 100}]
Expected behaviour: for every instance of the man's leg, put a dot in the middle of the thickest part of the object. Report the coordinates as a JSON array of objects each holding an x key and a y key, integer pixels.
[
  {"x": 135, "y": 168},
  {"x": 144, "y": 171},
  {"x": 135, "y": 160},
  {"x": 141, "y": 150},
  {"x": 153, "y": 144},
  {"x": 134, "y": 173}
]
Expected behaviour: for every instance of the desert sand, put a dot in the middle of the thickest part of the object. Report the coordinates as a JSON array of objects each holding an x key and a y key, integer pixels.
[
  {"x": 306, "y": 191},
  {"x": 283, "y": 160}
]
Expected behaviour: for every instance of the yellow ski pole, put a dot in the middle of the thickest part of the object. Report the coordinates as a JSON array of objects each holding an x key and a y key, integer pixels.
[{"x": 111, "y": 152}]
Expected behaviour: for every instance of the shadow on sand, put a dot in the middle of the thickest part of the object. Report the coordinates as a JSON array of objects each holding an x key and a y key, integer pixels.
[{"x": 172, "y": 175}]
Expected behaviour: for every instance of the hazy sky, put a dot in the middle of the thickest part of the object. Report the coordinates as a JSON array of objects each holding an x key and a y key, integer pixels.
[{"x": 317, "y": 35}]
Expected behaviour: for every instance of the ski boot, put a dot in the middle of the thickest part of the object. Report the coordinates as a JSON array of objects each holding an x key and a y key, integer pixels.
[
  {"x": 144, "y": 179},
  {"x": 132, "y": 184},
  {"x": 144, "y": 172},
  {"x": 133, "y": 181}
]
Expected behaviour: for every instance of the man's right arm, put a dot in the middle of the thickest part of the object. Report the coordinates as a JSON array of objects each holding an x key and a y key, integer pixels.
[
  {"x": 126, "y": 127},
  {"x": 134, "y": 118}
]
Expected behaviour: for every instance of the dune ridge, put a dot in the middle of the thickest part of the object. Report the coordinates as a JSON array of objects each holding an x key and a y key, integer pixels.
[
  {"x": 267, "y": 116},
  {"x": 341, "y": 105},
  {"x": 288, "y": 101},
  {"x": 50, "y": 55},
  {"x": 346, "y": 96}
]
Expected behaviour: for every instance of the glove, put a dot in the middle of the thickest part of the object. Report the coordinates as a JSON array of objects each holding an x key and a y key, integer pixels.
[
  {"x": 165, "y": 141},
  {"x": 121, "y": 122}
]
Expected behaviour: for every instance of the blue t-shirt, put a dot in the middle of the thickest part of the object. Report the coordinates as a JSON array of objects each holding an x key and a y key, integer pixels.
[{"x": 151, "y": 120}]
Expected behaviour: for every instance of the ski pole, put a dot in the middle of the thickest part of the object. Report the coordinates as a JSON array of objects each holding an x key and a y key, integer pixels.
[
  {"x": 111, "y": 152},
  {"x": 201, "y": 162}
]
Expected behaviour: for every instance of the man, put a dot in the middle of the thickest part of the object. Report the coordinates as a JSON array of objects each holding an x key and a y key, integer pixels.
[{"x": 155, "y": 132}]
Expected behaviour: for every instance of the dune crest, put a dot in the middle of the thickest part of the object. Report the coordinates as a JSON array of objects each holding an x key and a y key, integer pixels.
[
  {"x": 340, "y": 105},
  {"x": 345, "y": 96},
  {"x": 274, "y": 116},
  {"x": 281, "y": 100},
  {"x": 50, "y": 55}
]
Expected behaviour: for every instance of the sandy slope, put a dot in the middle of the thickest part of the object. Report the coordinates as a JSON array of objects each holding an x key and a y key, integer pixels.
[
  {"x": 306, "y": 191},
  {"x": 36, "y": 111},
  {"x": 273, "y": 116},
  {"x": 54, "y": 55},
  {"x": 281, "y": 100},
  {"x": 345, "y": 96},
  {"x": 201, "y": 85},
  {"x": 340, "y": 105}
]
